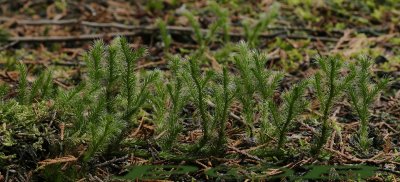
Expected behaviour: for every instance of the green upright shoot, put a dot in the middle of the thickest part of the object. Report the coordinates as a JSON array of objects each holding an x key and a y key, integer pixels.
[
  {"x": 282, "y": 116},
  {"x": 329, "y": 85},
  {"x": 362, "y": 94}
]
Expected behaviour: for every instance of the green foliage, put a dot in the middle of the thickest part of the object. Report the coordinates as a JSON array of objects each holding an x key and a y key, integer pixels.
[
  {"x": 102, "y": 133},
  {"x": 23, "y": 83},
  {"x": 329, "y": 85},
  {"x": 21, "y": 132},
  {"x": 245, "y": 86},
  {"x": 198, "y": 83},
  {"x": 94, "y": 60},
  {"x": 178, "y": 97},
  {"x": 41, "y": 87},
  {"x": 103, "y": 79},
  {"x": 129, "y": 78},
  {"x": 205, "y": 38},
  {"x": 155, "y": 5},
  {"x": 222, "y": 22},
  {"x": 3, "y": 91},
  {"x": 4, "y": 35},
  {"x": 98, "y": 124},
  {"x": 252, "y": 32},
  {"x": 57, "y": 173},
  {"x": 211, "y": 94},
  {"x": 101, "y": 111},
  {"x": 70, "y": 105},
  {"x": 267, "y": 83},
  {"x": 113, "y": 74},
  {"x": 165, "y": 36},
  {"x": 293, "y": 104},
  {"x": 254, "y": 81},
  {"x": 160, "y": 103},
  {"x": 224, "y": 54},
  {"x": 362, "y": 94},
  {"x": 198, "y": 35},
  {"x": 169, "y": 103},
  {"x": 223, "y": 92}
]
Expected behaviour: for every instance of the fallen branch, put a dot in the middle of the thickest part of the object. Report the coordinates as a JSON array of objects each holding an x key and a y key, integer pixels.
[
  {"x": 85, "y": 37},
  {"x": 244, "y": 153},
  {"x": 141, "y": 29},
  {"x": 8, "y": 45},
  {"x": 113, "y": 161},
  {"x": 387, "y": 159},
  {"x": 134, "y": 27},
  {"x": 89, "y": 37},
  {"x": 56, "y": 63}
]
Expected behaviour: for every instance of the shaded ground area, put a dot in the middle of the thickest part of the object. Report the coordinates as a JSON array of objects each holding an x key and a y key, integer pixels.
[{"x": 55, "y": 35}]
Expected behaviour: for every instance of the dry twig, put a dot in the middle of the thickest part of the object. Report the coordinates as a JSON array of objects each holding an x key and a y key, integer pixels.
[
  {"x": 244, "y": 153},
  {"x": 59, "y": 160}
]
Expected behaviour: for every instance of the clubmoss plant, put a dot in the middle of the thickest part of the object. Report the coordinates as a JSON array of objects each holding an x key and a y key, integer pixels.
[
  {"x": 99, "y": 123},
  {"x": 165, "y": 36},
  {"x": 135, "y": 92},
  {"x": 100, "y": 112},
  {"x": 282, "y": 116},
  {"x": 41, "y": 87},
  {"x": 112, "y": 71},
  {"x": 169, "y": 108},
  {"x": 22, "y": 84},
  {"x": 159, "y": 101},
  {"x": 212, "y": 94},
  {"x": 102, "y": 129},
  {"x": 223, "y": 97},
  {"x": 252, "y": 32},
  {"x": 112, "y": 96},
  {"x": 199, "y": 84},
  {"x": 266, "y": 82},
  {"x": 198, "y": 35},
  {"x": 362, "y": 94},
  {"x": 253, "y": 82},
  {"x": 246, "y": 88},
  {"x": 329, "y": 85},
  {"x": 205, "y": 38},
  {"x": 154, "y": 5},
  {"x": 223, "y": 20},
  {"x": 94, "y": 60},
  {"x": 70, "y": 105}
]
